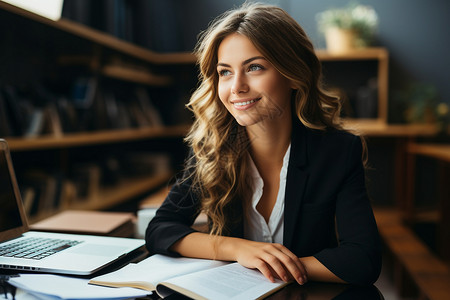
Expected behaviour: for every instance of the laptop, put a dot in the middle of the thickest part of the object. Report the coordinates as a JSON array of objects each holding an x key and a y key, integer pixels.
[{"x": 21, "y": 249}]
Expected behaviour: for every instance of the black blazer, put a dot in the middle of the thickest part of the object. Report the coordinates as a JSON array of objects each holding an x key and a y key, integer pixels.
[{"x": 327, "y": 212}]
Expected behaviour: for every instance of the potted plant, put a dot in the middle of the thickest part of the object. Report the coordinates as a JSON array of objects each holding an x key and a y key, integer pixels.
[{"x": 348, "y": 27}]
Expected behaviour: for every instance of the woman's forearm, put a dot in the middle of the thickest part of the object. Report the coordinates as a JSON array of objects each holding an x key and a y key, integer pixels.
[{"x": 203, "y": 245}]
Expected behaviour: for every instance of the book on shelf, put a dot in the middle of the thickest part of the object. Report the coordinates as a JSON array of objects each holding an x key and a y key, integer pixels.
[
  {"x": 42, "y": 190},
  {"x": 89, "y": 107},
  {"x": 35, "y": 123},
  {"x": 87, "y": 180},
  {"x": 44, "y": 120},
  {"x": 68, "y": 114},
  {"x": 146, "y": 105},
  {"x": 115, "y": 111},
  {"x": 191, "y": 277},
  {"x": 53, "y": 120}
]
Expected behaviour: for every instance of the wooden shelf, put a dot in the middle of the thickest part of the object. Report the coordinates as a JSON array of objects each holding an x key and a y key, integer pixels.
[
  {"x": 438, "y": 151},
  {"x": 126, "y": 189},
  {"x": 380, "y": 129},
  {"x": 135, "y": 75},
  {"x": 103, "y": 39},
  {"x": 94, "y": 138},
  {"x": 357, "y": 54},
  {"x": 111, "y": 196}
]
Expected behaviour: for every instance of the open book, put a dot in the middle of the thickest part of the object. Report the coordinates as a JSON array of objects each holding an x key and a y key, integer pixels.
[{"x": 195, "y": 278}]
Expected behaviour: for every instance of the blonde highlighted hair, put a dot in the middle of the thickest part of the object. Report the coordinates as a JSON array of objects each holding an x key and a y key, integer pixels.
[{"x": 219, "y": 144}]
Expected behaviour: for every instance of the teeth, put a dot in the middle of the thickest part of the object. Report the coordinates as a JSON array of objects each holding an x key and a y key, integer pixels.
[{"x": 245, "y": 103}]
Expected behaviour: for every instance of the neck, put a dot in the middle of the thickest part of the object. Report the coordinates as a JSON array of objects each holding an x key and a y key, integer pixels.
[{"x": 269, "y": 141}]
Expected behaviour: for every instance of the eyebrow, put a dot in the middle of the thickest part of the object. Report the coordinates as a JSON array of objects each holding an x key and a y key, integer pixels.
[{"x": 245, "y": 62}]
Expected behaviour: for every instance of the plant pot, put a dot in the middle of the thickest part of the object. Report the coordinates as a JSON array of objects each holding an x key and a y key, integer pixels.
[{"x": 340, "y": 40}]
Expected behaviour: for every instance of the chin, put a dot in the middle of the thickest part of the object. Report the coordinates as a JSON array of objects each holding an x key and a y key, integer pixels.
[{"x": 246, "y": 120}]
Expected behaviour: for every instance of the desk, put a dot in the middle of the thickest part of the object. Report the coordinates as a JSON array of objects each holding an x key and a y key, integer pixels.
[
  {"x": 315, "y": 290},
  {"x": 310, "y": 291},
  {"x": 440, "y": 152}
]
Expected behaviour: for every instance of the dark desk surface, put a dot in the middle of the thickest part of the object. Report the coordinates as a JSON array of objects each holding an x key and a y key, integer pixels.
[
  {"x": 325, "y": 291},
  {"x": 314, "y": 291}
]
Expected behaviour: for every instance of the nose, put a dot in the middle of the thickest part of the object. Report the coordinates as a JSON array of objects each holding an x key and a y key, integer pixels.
[{"x": 239, "y": 84}]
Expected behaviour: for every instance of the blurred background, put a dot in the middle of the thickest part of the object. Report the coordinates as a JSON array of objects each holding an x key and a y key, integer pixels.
[
  {"x": 414, "y": 31},
  {"x": 93, "y": 94}
]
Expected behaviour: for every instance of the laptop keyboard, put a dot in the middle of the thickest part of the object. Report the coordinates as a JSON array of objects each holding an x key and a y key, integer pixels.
[{"x": 36, "y": 248}]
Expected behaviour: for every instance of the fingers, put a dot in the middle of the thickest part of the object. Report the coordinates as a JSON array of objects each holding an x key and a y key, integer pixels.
[
  {"x": 272, "y": 260},
  {"x": 265, "y": 270},
  {"x": 294, "y": 266},
  {"x": 282, "y": 263}
]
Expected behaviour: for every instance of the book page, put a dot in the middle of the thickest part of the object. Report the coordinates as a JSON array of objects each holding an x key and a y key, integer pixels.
[
  {"x": 47, "y": 286},
  {"x": 231, "y": 281},
  {"x": 152, "y": 270}
]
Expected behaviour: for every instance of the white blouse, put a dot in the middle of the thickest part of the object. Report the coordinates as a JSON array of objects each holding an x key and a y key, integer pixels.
[{"x": 255, "y": 227}]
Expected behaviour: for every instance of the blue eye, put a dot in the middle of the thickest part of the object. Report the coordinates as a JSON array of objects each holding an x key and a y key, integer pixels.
[
  {"x": 255, "y": 67},
  {"x": 224, "y": 72}
]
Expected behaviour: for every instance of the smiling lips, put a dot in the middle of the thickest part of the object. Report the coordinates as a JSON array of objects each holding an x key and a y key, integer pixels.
[{"x": 244, "y": 104}]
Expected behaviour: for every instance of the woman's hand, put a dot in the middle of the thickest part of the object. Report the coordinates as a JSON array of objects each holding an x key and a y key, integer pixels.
[{"x": 272, "y": 260}]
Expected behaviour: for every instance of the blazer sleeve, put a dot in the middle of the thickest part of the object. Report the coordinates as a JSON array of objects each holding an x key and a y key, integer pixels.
[
  {"x": 357, "y": 258},
  {"x": 174, "y": 218}
]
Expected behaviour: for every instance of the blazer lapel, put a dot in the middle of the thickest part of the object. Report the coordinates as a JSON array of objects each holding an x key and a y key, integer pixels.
[{"x": 297, "y": 178}]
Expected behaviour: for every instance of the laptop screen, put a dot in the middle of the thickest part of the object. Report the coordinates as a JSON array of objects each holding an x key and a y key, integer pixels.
[{"x": 11, "y": 211}]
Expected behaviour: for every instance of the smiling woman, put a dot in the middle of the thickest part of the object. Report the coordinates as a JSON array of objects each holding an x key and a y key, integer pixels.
[
  {"x": 249, "y": 86},
  {"x": 270, "y": 165}
]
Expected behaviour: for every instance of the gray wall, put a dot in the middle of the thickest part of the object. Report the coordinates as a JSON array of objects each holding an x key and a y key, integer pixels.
[{"x": 416, "y": 33}]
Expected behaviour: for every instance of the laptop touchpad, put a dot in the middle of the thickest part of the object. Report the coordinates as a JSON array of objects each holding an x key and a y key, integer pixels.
[{"x": 100, "y": 250}]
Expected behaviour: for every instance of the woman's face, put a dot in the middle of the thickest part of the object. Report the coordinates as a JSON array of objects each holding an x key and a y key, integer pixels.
[{"x": 249, "y": 86}]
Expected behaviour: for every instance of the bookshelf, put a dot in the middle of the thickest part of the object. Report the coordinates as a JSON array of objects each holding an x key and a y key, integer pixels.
[
  {"x": 57, "y": 54},
  {"x": 359, "y": 67},
  {"x": 43, "y": 50},
  {"x": 96, "y": 38}
]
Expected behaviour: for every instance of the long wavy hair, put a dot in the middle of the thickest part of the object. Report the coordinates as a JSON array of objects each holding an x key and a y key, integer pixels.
[{"x": 220, "y": 161}]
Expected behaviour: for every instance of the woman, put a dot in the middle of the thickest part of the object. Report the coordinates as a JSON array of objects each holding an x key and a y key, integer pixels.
[{"x": 280, "y": 181}]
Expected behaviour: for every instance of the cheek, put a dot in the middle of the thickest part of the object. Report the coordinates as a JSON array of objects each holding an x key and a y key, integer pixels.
[{"x": 223, "y": 93}]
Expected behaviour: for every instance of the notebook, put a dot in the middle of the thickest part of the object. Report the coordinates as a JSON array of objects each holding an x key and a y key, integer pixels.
[{"x": 73, "y": 254}]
